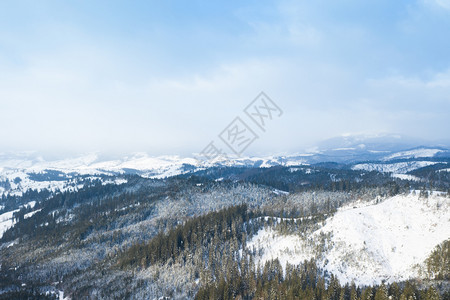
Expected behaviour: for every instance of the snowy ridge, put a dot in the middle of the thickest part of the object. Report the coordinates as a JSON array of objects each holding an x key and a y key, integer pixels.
[
  {"x": 25, "y": 183},
  {"x": 415, "y": 153},
  {"x": 367, "y": 244},
  {"x": 396, "y": 168},
  {"x": 388, "y": 240},
  {"x": 91, "y": 164},
  {"x": 15, "y": 169}
]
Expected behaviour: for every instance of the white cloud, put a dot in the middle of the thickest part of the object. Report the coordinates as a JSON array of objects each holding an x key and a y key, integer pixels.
[
  {"x": 153, "y": 92},
  {"x": 445, "y": 4},
  {"x": 433, "y": 81}
]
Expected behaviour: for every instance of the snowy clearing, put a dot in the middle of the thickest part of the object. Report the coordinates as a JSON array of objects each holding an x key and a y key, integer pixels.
[{"x": 288, "y": 248}]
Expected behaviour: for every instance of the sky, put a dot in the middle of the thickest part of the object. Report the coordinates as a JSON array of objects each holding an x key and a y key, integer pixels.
[{"x": 167, "y": 77}]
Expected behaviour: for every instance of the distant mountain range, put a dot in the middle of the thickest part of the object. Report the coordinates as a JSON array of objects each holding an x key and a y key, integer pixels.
[{"x": 382, "y": 153}]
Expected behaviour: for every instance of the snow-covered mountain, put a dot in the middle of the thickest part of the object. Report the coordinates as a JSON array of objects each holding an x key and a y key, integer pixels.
[
  {"x": 351, "y": 148},
  {"x": 402, "y": 162},
  {"x": 395, "y": 168},
  {"x": 18, "y": 171},
  {"x": 25, "y": 171},
  {"x": 373, "y": 237},
  {"x": 368, "y": 242},
  {"x": 420, "y": 152},
  {"x": 375, "y": 143}
]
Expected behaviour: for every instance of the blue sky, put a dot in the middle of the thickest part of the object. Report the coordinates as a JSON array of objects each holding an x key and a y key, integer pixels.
[{"x": 168, "y": 76}]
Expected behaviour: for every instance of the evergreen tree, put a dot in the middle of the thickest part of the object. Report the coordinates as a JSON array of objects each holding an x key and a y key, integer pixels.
[
  {"x": 432, "y": 294},
  {"x": 381, "y": 293}
]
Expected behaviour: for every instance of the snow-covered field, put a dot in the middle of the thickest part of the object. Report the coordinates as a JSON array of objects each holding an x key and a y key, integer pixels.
[{"x": 385, "y": 241}]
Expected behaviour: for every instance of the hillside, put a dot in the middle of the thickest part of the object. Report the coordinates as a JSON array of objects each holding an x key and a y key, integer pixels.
[
  {"x": 211, "y": 229},
  {"x": 367, "y": 243}
]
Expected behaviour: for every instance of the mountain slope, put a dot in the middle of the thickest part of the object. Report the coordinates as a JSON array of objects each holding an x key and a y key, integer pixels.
[{"x": 368, "y": 244}]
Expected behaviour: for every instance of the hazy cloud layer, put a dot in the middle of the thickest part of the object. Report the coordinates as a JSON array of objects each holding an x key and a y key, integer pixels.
[{"x": 168, "y": 77}]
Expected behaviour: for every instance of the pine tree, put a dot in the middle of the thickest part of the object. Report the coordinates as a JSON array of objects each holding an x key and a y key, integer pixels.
[
  {"x": 342, "y": 295},
  {"x": 367, "y": 294},
  {"x": 381, "y": 293},
  {"x": 432, "y": 294},
  {"x": 353, "y": 292}
]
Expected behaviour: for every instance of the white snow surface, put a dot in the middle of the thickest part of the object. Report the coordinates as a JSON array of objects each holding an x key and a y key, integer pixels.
[
  {"x": 385, "y": 241},
  {"x": 17, "y": 167},
  {"x": 415, "y": 153},
  {"x": 92, "y": 164},
  {"x": 397, "y": 168},
  {"x": 406, "y": 177},
  {"x": 161, "y": 166},
  {"x": 30, "y": 214},
  {"x": 287, "y": 248},
  {"x": 6, "y": 221}
]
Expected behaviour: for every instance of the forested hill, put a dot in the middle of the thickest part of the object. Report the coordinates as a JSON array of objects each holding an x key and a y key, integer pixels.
[{"x": 322, "y": 232}]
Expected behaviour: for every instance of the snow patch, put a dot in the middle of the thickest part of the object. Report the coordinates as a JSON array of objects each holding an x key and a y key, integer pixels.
[
  {"x": 406, "y": 177},
  {"x": 30, "y": 214},
  {"x": 280, "y": 192},
  {"x": 7, "y": 221},
  {"x": 117, "y": 181}
]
